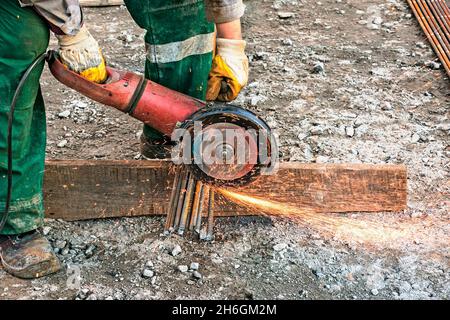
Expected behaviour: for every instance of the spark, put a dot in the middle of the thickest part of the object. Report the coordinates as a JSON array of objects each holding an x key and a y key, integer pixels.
[{"x": 338, "y": 226}]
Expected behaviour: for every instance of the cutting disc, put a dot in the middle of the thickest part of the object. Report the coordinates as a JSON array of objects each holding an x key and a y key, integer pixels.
[{"x": 229, "y": 145}]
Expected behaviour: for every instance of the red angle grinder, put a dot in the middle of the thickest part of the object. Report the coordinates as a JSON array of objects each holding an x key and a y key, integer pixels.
[{"x": 221, "y": 144}]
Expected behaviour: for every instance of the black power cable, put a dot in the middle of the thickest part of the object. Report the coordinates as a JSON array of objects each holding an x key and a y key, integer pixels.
[{"x": 17, "y": 93}]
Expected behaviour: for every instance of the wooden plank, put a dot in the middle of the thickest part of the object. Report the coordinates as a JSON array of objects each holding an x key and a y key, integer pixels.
[
  {"x": 88, "y": 189},
  {"x": 100, "y": 3}
]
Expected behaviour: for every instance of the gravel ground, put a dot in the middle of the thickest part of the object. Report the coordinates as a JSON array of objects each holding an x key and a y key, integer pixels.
[{"x": 340, "y": 81}]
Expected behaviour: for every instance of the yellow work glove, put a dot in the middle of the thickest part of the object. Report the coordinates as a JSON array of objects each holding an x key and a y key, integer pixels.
[
  {"x": 229, "y": 71},
  {"x": 81, "y": 54}
]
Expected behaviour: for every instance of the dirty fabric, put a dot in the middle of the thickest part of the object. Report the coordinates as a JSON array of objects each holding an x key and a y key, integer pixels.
[
  {"x": 23, "y": 37},
  {"x": 221, "y": 11},
  {"x": 64, "y": 16},
  {"x": 179, "y": 43}
]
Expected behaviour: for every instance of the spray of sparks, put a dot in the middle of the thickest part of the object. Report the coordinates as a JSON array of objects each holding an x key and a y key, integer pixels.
[{"x": 337, "y": 226}]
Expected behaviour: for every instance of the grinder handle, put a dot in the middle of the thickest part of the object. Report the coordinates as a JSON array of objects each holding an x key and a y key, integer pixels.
[{"x": 117, "y": 92}]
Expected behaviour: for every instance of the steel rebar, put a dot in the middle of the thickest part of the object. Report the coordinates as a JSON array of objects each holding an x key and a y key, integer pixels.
[
  {"x": 185, "y": 210},
  {"x": 195, "y": 205},
  {"x": 187, "y": 205},
  {"x": 210, "y": 224},
  {"x": 173, "y": 200},
  {"x": 445, "y": 8},
  {"x": 440, "y": 14},
  {"x": 430, "y": 30},
  {"x": 198, "y": 222},
  {"x": 435, "y": 27},
  {"x": 434, "y": 19},
  {"x": 183, "y": 187}
]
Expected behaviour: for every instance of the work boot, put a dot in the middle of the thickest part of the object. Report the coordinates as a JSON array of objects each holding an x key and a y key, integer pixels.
[
  {"x": 28, "y": 255},
  {"x": 156, "y": 148}
]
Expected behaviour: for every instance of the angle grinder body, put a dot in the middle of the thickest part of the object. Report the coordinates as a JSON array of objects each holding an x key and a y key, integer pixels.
[{"x": 167, "y": 110}]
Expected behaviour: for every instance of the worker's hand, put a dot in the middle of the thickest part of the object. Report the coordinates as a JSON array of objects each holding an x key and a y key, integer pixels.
[
  {"x": 229, "y": 71},
  {"x": 81, "y": 53}
]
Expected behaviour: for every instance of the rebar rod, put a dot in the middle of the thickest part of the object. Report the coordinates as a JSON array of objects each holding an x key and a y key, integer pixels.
[
  {"x": 187, "y": 205},
  {"x": 195, "y": 205},
  {"x": 429, "y": 34},
  {"x": 435, "y": 27},
  {"x": 210, "y": 225},
  {"x": 173, "y": 200},
  {"x": 440, "y": 15},
  {"x": 198, "y": 222},
  {"x": 183, "y": 187}
]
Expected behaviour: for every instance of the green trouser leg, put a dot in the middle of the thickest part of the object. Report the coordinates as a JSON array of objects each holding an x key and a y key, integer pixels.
[
  {"x": 179, "y": 42},
  {"x": 23, "y": 37}
]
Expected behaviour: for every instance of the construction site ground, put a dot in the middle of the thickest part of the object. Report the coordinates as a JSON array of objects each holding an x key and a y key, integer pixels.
[{"x": 351, "y": 81}]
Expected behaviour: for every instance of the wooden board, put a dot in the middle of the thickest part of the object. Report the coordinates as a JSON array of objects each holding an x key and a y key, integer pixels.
[
  {"x": 80, "y": 189},
  {"x": 100, "y": 3}
]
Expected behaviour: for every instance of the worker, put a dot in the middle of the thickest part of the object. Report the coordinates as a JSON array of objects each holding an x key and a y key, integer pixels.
[
  {"x": 24, "y": 35},
  {"x": 179, "y": 56},
  {"x": 194, "y": 47}
]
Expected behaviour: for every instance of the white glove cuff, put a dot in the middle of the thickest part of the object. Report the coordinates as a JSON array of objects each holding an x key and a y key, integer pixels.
[{"x": 230, "y": 46}]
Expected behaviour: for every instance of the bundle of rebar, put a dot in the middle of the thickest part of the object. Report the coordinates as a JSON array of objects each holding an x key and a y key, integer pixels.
[
  {"x": 187, "y": 200},
  {"x": 434, "y": 19}
]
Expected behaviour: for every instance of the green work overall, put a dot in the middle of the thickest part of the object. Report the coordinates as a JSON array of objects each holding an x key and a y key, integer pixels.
[
  {"x": 23, "y": 37},
  {"x": 179, "y": 45}
]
